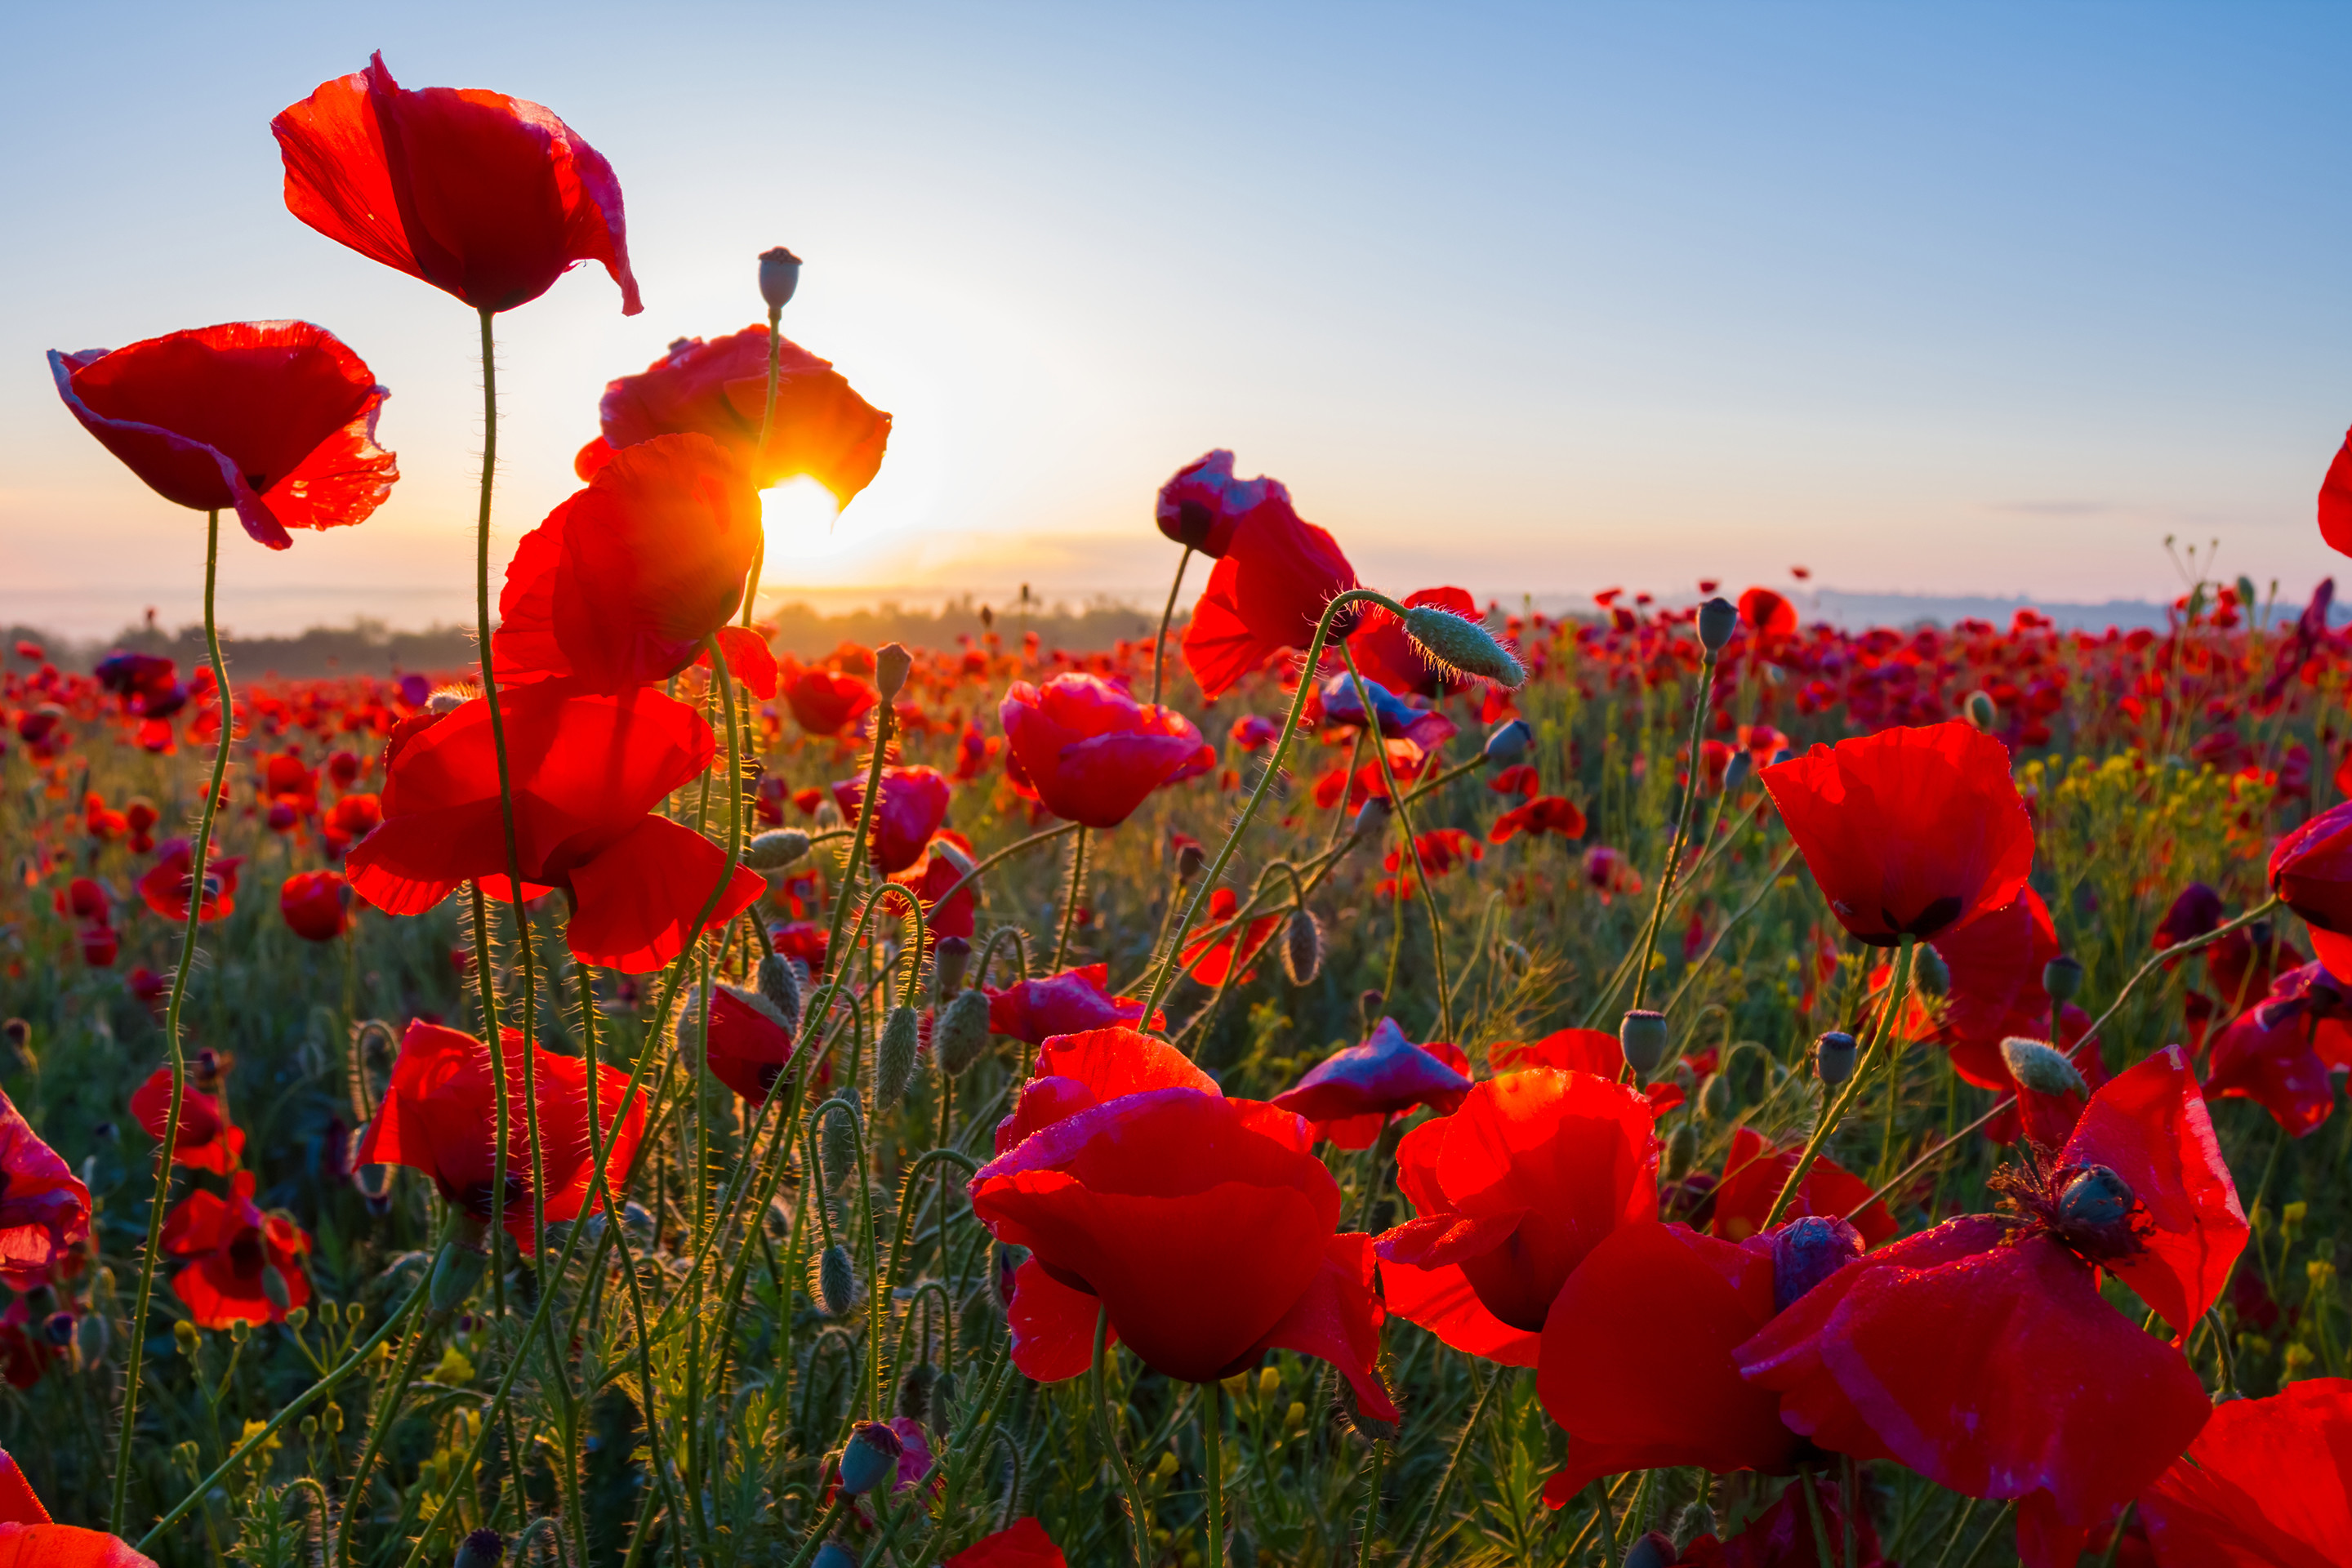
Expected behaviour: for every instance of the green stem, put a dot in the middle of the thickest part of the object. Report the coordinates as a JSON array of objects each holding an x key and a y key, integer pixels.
[
  {"x": 1110, "y": 1438},
  {"x": 1071, "y": 896},
  {"x": 1371, "y": 1525},
  {"x": 1160, "y": 643},
  {"x": 1213, "y": 1428},
  {"x": 1411, "y": 845},
  {"x": 767, "y": 422},
  {"x": 1833, "y": 1110},
  {"x": 387, "y": 1412},
  {"x": 1682, "y": 829},
  {"x": 1435, "y": 1512}
]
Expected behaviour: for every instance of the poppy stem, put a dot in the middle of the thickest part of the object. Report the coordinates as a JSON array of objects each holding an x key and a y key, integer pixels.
[
  {"x": 1371, "y": 1525},
  {"x": 1160, "y": 643},
  {"x": 197, "y": 861},
  {"x": 1833, "y": 1109},
  {"x": 1071, "y": 896},
  {"x": 1110, "y": 1437},
  {"x": 1682, "y": 829},
  {"x": 1410, "y": 851},
  {"x": 1435, "y": 1512},
  {"x": 767, "y": 423},
  {"x": 1213, "y": 1430}
]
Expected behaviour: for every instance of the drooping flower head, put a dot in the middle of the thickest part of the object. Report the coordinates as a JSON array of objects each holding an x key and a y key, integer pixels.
[
  {"x": 750, "y": 1043},
  {"x": 1092, "y": 754},
  {"x": 1274, "y": 575}
]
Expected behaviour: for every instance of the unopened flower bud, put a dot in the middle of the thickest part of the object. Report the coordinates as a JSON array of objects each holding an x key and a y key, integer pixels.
[
  {"x": 1977, "y": 709},
  {"x": 1930, "y": 976},
  {"x": 960, "y": 1034},
  {"x": 1352, "y": 1410},
  {"x": 1367, "y": 1011},
  {"x": 185, "y": 1338},
  {"x": 1457, "y": 642},
  {"x": 780, "y": 274},
  {"x": 837, "y": 1137},
  {"x": 481, "y": 1549},
  {"x": 93, "y": 1336},
  {"x": 773, "y": 851},
  {"x": 1834, "y": 1057},
  {"x": 1807, "y": 1251},
  {"x": 273, "y": 1285},
  {"x": 832, "y": 1554},
  {"x": 1643, "y": 1033},
  {"x": 780, "y": 984},
  {"x": 894, "y": 1059},
  {"x": 1717, "y": 619},
  {"x": 915, "y": 1391},
  {"x": 1681, "y": 1151},
  {"x": 2042, "y": 1069},
  {"x": 2095, "y": 1199},
  {"x": 19, "y": 1035},
  {"x": 870, "y": 1459},
  {"x": 891, "y": 664},
  {"x": 1506, "y": 742},
  {"x": 951, "y": 956},
  {"x": 447, "y": 701},
  {"x": 58, "y": 1328},
  {"x": 456, "y": 1272},
  {"x": 1654, "y": 1550},
  {"x": 1714, "y": 1097},
  {"x": 1190, "y": 858},
  {"x": 836, "y": 1282},
  {"x": 1302, "y": 947},
  {"x": 2062, "y": 977},
  {"x": 1372, "y": 819}
]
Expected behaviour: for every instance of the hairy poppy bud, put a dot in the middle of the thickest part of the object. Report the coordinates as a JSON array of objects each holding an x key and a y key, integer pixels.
[
  {"x": 837, "y": 1138},
  {"x": 1190, "y": 858},
  {"x": 1372, "y": 819},
  {"x": 891, "y": 664},
  {"x": 456, "y": 1272},
  {"x": 951, "y": 956},
  {"x": 870, "y": 1459},
  {"x": 1930, "y": 976},
  {"x": 1714, "y": 1097},
  {"x": 836, "y": 1282},
  {"x": 446, "y": 700},
  {"x": 1834, "y": 1057},
  {"x": 2062, "y": 977},
  {"x": 2095, "y": 1199},
  {"x": 2042, "y": 1068},
  {"x": 1351, "y": 1410},
  {"x": 1807, "y": 1251},
  {"x": 1695, "y": 1521},
  {"x": 832, "y": 1554},
  {"x": 1506, "y": 742},
  {"x": 1681, "y": 1151},
  {"x": 773, "y": 851},
  {"x": 780, "y": 275},
  {"x": 1302, "y": 947},
  {"x": 1643, "y": 1033},
  {"x": 894, "y": 1059},
  {"x": 481, "y": 1549},
  {"x": 1978, "y": 710},
  {"x": 2246, "y": 591},
  {"x": 93, "y": 1336},
  {"x": 273, "y": 1285},
  {"x": 1457, "y": 642},
  {"x": 780, "y": 984},
  {"x": 960, "y": 1033},
  {"x": 1656, "y": 1549},
  {"x": 1717, "y": 619},
  {"x": 915, "y": 1391}
]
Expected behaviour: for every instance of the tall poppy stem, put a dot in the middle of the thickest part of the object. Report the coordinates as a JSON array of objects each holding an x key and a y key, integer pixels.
[
  {"x": 1071, "y": 896},
  {"x": 1160, "y": 643},
  {"x": 1681, "y": 831},
  {"x": 759, "y": 453},
  {"x": 1833, "y": 1109},
  {"x": 197, "y": 861},
  {"x": 1212, "y": 1429},
  {"x": 1110, "y": 1438},
  {"x": 1410, "y": 852}
]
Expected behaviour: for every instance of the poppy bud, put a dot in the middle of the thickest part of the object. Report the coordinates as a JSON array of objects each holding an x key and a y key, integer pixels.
[
  {"x": 891, "y": 665},
  {"x": 456, "y": 1272},
  {"x": 185, "y": 1339},
  {"x": 2062, "y": 977},
  {"x": 1506, "y": 742},
  {"x": 2245, "y": 591},
  {"x": 1717, "y": 619},
  {"x": 915, "y": 1391},
  {"x": 832, "y": 1554},
  {"x": 1714, "y": 1097},
  {"x": 1656, "y": 1549},
  {"x": 446, "y": 700},
  {"x": 782, "y": 986},
  {"x": 1681, "y": 1151},
  {"x": 1930, "y": 976},
  {"x": 951, "y": 956},
  {"x": 1643, "y": 1033},
  {"x": 894, "y": 1059},
  {"x": 870, "y": 1459},
  {"x": 58, "y": 1328},
  {"x": 943, "y": 1398},
  {"x": 1456, "y": 642},
  {"x": 273, "y": 1285},
  {"x": 93, "y": 1337},
  {"x": 1367, "y": 1010},
  {"x": 1807, "y": 1251},
  {"x": 1834, "y": 1057},
  {"x": 19, "y": 1036},
  {"x": 1372, "y": 819},
  {"x": 960, "y": 1033},
  {"x": 1695, "y": 1520},
  {"x": 1978, "y": 710},
  {"x": 1351, "y": 1410},
  {"x": 1190, "y": 858},
  {"x": 481, "y": 1549},
  {"x": 1302, "y": 947},
  {"x": 2042, "y": 1068},
  {"x": 2095, "y": 1199},
  {"x": 837, "y": 1138},
  {"x": 836, "y": 1282},
  {"x": 780, "y": 274},
  {"x": 774, "y": 850}
]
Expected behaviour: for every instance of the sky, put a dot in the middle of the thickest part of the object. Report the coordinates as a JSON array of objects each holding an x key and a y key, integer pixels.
[{"x": 1940, "y": 299}]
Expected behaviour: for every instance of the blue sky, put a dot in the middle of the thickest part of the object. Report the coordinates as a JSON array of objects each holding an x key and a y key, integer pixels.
[{"x": 1960, "y": 299}]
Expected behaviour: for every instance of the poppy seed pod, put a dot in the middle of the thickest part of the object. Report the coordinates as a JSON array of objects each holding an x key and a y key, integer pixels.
[
  {"x": 1458, "y": 643},
  {"x": 456, "y": 1272},
  {"x": 780, "y": 275},
  {"x": 1643, "y": 1034},
  {"x": 2095, "y": 1199},
  {"x": 2042, "y": 1068},
  {"x": 961, "y": 1032},
  {"x": 2062, "y": 977},
  {"x": 1807, "y": 1251},
  {"x": 780, "y": 984},
  {"x": 836, "y": 1282},
  {"x": 894, "y": 1059},
  {"x": 891, "y": 664},
  {"x": 1655, "y": 1549},
  {"x": 951, "y": 956},
  {"x": 1978, "y": 710},
  {"x": 776, "y": 850},
  {"x": 481, "y": 1549},
  {"x": 1930, "y": 976},
  {"x": 870, "y": 1459},
  {"x": 1834, "y": 1057},
  {"x": 1506, "y": 742},
  {"x": 1302, "y": 947},
  {"x": 1717, "y": 619}
]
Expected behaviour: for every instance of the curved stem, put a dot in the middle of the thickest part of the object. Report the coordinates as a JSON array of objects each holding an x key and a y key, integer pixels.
[
  {"x": 1071, "y": 896},
  {"x": 1013, "y": 848},
  {"x": 1160, "y": 643},
  {"x": 199, "y": 860},
  {"x": 1110, "y": 1437},
  {"x": 1682, "y": 830},
  {"x": 1411, "y": 849},
  {"x": 1833, "y": 1109}
]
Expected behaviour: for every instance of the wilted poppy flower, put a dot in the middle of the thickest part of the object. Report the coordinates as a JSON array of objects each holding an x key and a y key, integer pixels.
[
  {"x": 1384, "y": 654},
  {"x": 1510, "y": 1194},
  {"x": 821, "y": 427},
  {"x": 621, "y": 582},
  {"x": 914, "y": 803},
  {"x": 1090, "y": 752},
  {"x": 2037, "y": 1390},
  {"x": 1398, "y": 720},
  {"x": 28, "y": 1539},
  {"x": 1203, "y": 1227},
  {"x": 1022, "y": 1545},
  {"x": 207, "y": 1142},
  {"x": 1349, "y": 1095},
  {"x": 750, "y": 1045},
  {"x": 317, "y": 905},
  {"x": 165, "y": 884},
  {"x": 240, "y": 1264},
  {"x": 824, "y": 701},
  {"x": 274, "y": 420},
  {"x": 1221, "y": 949},
  {"x": 2267, "y": 1484},
  {"x": 487, "y": 197},
  {"x": 439, "y": 1116},
  {"x": 1551, "y": 814},
  {"x": 1755, "y": 1171},
  {"x": 1909, "y": 832},
  {"x": 2280, "y": 1052},
  {"x": 1203, "y": 503},
  {"x": 1275, "y": 575},
  {"x": 1766, "y": 613},
  {"x": 2311, "y": 869},
  {"x": 44, "y": 1206},
  {"x": 588, "y": 771},
  {"x": 1066, "y": 1004}
]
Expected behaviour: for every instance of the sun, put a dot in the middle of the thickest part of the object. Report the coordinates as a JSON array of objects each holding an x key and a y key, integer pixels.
[{"x": 804, "y": 533}]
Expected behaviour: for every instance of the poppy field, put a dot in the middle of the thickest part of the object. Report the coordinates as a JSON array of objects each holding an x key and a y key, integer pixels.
[{"x": 1361, "y": 1077}]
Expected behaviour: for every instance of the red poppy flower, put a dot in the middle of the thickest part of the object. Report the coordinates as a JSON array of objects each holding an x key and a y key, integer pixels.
[
  {"x": 1090, "y": 752},
  {"x": 940, "y": 866},
  {"x": 1349, "y": 1095},
  {"x": 621, "y": 583},
  {"x": 1066, "y": 1004},
  {"x": 1210, "y": 956},
  {"x": 749, "y": 1045},
  {"x": 1203, "y": 503},
  {"x": 1767, "y": 614},
  {"x": 2279, "y": 1052},
  {"x": 914, "y": 803},
  {"x": 588, "y": 771},
  {"x": 822, "y": 428},
  {"x": 101, "y": 946},
  {"x": 2335, "y": 500},
  {"x": 439, "y": 1116},
  {"x": 232, "y": 1250},
  {"x": 1203, "y": 1226},
  {"x": 207, "y": 1140},
  {"x": 1268, "y": 590},
  {"x": 1754, "y": 1173},
  {"x": 1024, "y": 1544},
  {"x": 28, "y": 1539},
  {"x": 2039, "y": 1390},
  {"x": 824, "y": 702},
  {"x": 1076, "y": 1071},
  {"x": 1521, "y": 779},
  {"x": 1510, "y": 1194},
  {"x": 354, "y": 818},
  {"x": 1384, "y": 654},
  {"x": 274, "y": 420},
  {"x": 44, "y": 1206},
  {"x": 1594, "y": 1051},
  {"x": 2311, "y": 869},
  {"x": 1551, "y": 814},
  {"x": 166, "y": 886},
  {"x": 317, "y": 905},
  {"x": 2267, "y": 1484},
  {"x": 487, "y": 197},
  {"x": 1909, "y": 832}
]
